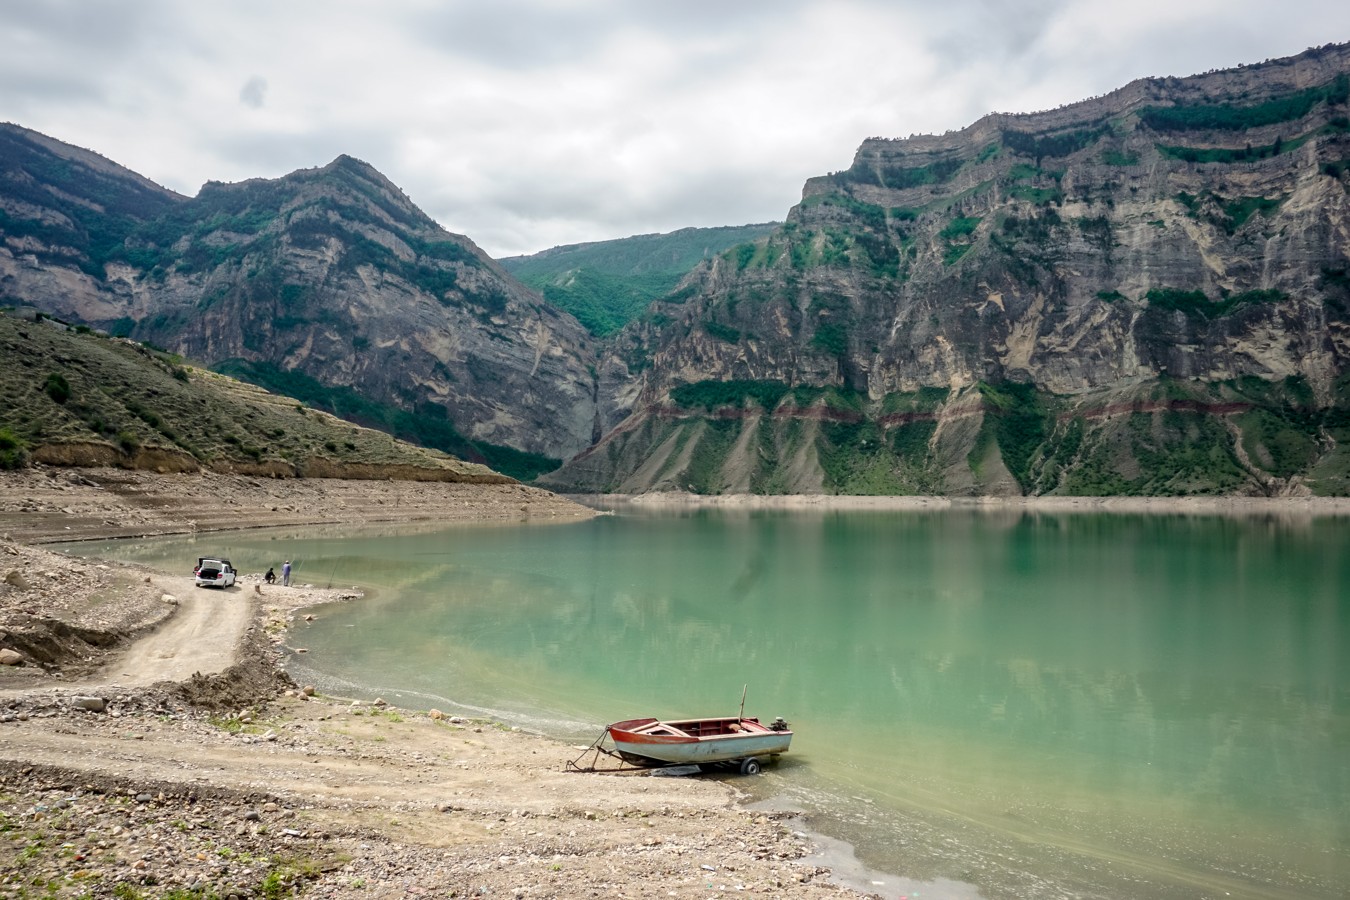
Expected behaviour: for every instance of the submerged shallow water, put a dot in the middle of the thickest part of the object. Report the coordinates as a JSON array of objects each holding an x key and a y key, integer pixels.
[{"x": 1032, "y": 704}]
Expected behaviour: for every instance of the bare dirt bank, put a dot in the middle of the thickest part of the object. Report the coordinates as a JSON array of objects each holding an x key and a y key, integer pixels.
[
  {"x": 120, "y": 776},
  {"x": 42, "y": 505},
  {"x": 1303, "y": 506}
]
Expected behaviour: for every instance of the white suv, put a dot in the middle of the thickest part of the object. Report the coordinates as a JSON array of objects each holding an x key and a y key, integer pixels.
[{"x": 213, "y": 573}]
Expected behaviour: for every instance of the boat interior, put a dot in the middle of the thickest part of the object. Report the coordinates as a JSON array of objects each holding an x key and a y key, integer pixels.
[{"x": 702, "y": 728}]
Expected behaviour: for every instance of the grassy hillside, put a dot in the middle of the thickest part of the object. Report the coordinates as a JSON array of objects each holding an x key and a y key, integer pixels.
[
  {"x": 428, "y": 427},
  {"x": 70, "y": 395},
  {"x": 607, "y": 284}
]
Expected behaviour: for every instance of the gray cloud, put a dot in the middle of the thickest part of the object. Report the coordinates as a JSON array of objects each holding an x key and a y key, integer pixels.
[
  {"x": 529, "y": 123},
  {"x": 254, "y": 92}
]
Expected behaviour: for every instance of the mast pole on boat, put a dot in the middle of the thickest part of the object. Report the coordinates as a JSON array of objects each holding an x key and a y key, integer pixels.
[{"x": 741, "y": 715}]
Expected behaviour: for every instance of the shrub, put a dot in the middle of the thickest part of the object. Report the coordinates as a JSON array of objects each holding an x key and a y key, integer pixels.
[
  {"x": 954, "y": 254},
  {"x": 1241, "y": 209},
  {"x": 1055, "y": 145},
  {"x": 832, "y": 337},
  {"x": 1189, "y": 302},
  {"x": 712, "y": 394},
  {"x": 961, "y": 226},
  {"x": 1018, "y": 422},
  {"x": 900, "y": 177},
  {"x": 13, "y": 451},
  {"x": 57, "y": 388},
  {"x": 1197, "y": 304},
  {"x": 744, "y": 253},
  {"x": 722, "y": 332}
]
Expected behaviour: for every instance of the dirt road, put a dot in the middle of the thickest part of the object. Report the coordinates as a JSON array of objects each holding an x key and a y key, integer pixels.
[{"x": 203, "y": 636}]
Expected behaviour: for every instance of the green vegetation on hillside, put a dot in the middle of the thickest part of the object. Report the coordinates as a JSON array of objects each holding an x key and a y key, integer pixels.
[
  {"x": 869, "y": 238},
  {"x": 96, "y": 223},
  {"x": 1230, "y": 214},
  {"x": 1163, "y": 438},
  {"x": 713, "y": 394},
  {"x": 70, "y": 387},
  {"x": 1240, "y": 209},
  {"x": 896, "y": 177},
  {"x": 1197, "y": 304},
  {"x": 722, "y": 332},
  {"x": 1020, "y": 423},
  {"x": 1231, "y": 117},
  {"x": 13, "y": 450},
  {"x": 1249, "y": 153},
  {"x": 607, "y": 284},
  {"x": 428, "y": 426},
  {"x": 1039, "y": 146},
  {"x": 602, "y": 302},
  {"x": 735, "y": 394}
]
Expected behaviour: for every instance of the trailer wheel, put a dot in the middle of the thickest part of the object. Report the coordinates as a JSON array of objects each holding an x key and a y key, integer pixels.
[{"x": 750, "y": 766}]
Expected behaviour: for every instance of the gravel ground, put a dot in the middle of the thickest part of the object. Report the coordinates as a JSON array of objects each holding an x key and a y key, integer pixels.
[
  {"x": 323, "y": 799},
  {"x": 238, "y": 783}
]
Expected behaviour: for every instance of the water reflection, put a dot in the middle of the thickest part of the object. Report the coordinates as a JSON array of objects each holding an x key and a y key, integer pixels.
[{"x": 1036, "y": 703}]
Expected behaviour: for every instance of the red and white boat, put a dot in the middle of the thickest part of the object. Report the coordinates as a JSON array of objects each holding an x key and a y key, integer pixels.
[{"x": 734, "y": 739}]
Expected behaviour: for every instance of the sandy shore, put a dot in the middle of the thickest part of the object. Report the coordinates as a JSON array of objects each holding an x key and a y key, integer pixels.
[{"x": 138, "y": 760}]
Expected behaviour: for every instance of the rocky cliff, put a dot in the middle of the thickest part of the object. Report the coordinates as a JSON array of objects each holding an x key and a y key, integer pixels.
[
  {"x": 330, "y": 276},
  {"x": 1145, "y": 292}
]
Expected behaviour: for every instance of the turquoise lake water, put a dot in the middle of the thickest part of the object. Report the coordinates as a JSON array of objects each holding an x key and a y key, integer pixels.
[{"x": 1007, "y": 704}]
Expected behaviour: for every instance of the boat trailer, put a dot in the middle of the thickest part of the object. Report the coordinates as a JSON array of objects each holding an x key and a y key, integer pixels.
[
  {"x": 595, "y": 751},
  {"x": 749, "y": 765}
]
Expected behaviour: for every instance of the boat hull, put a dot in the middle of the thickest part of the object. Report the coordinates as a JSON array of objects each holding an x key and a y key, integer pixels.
[{"x": 649, "y": 742}]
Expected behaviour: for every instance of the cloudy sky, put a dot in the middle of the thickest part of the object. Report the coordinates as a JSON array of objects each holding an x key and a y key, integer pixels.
[{"x": 530, "y": 123}]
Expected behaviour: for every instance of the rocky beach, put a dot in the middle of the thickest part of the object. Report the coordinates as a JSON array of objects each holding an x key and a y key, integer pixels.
[{"x": 151, "y": 745}]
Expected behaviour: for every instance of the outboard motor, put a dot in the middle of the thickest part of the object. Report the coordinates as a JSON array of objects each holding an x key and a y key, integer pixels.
[{"x": 778, "y": 725}]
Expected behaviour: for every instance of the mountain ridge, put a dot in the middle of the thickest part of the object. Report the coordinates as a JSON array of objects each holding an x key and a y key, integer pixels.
[
  {"x": 1143, "y": 292},
  {"x": 606, "y": 284},
  {"x": 331, "y": 272},
  {"x": 1171, "y": 248}
]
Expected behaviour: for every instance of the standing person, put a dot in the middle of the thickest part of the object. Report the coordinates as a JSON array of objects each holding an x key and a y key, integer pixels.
[{"x": 286, "y": 573}]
